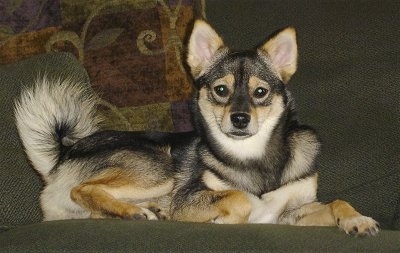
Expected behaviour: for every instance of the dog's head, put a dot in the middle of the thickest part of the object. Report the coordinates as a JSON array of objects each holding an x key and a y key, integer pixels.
[{"x": 241, "y": 94}]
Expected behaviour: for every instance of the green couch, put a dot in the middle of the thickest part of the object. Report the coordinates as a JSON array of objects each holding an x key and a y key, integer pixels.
[{"x": 347, "y": 87}]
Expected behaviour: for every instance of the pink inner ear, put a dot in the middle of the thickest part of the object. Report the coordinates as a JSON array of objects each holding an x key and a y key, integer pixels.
[
  {"x": 202, "y": 47},
  {"x": 283, "y": 53}
]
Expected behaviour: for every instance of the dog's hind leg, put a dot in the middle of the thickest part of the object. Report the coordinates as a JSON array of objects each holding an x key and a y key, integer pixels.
[
  {"x": 101, "y": 204},
  {"x": 337, "y": 213},
  {"x": 106, "y": 195},
  {"x": 228, "y": 207}
]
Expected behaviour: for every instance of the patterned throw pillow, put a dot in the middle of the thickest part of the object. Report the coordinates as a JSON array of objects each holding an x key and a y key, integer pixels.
[{"x": 132, "y": 51}]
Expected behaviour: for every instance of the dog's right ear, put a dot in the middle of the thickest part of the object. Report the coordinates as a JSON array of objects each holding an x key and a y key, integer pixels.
[{"x": 203, "y": 44}]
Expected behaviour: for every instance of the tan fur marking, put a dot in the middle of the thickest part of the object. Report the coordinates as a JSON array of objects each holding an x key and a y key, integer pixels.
[
  {"x": 228, "y": 80},
  {"x": 337, "y": 213},
  {"x": 255, "y": 82},
  {"x": 341, "y": 209},
  {"x": 102, "y": 204},
  {"x": 351, "y": 221},
  {"x": 200, "y": 208},
  {"x": 103, "y": 195},
  {"x": 228, "y": 207},
  {"x": 315, "y": 214},
  {"x": 234, "y": 208}
]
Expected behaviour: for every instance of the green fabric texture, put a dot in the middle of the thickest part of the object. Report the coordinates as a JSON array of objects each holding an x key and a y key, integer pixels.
[
  {"x": 346, "y": 87},
  {"x": 142, "y": 236},
  {"x": 20, "y": 185}
]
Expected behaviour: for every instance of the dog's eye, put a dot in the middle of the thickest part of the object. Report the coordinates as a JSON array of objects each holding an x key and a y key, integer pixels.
[
  {"x": 260, "y": 92},
  {"x": 221, "y": 90}
]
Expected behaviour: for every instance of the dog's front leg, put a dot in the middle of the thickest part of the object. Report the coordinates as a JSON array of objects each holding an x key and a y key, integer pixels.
[
  {"x": 351, "y": 221},
  {"x": 292, "y": 196},
  {"x": 222, "y": 207},
  {"x": 337, "y": 213}
]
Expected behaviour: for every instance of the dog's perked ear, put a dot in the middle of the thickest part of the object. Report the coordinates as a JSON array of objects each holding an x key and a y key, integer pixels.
[
  {"x": 203, "y": 44},
  {"x": 281, "y": 48}
]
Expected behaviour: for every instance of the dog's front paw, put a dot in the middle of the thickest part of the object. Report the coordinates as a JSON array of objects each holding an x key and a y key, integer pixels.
[
  {"x": 144, "y": 214},
  {"x": 359, "y": 225},
  {"x": 218, "y": 220},
  {"x": 161, "y": 214}
]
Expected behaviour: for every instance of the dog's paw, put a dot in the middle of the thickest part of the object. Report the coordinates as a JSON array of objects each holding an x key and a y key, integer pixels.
[
  {"x": 228, "y": 219},
  {"x": 161, "y": 215},
  {"x": 218, "y": 220},
  {"x": 144, "y": 214},
  {"x": 359, "y": 225}
]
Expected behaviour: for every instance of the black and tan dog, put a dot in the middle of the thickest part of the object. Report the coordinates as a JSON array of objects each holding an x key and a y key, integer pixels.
[{"x": 248, "y": 161}]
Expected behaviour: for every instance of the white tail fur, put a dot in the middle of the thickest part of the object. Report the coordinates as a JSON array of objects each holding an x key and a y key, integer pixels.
[{"x": 53, "y": 114}]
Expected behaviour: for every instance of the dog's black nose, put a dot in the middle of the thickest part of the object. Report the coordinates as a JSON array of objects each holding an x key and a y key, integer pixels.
[{"x": 240, "y": 120}]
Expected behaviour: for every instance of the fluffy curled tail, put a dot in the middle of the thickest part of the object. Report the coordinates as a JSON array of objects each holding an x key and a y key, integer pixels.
[{"x": 51, "y": 115}]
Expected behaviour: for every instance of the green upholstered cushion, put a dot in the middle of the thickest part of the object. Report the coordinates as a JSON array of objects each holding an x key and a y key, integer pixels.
[{"x": 142, "y": 236}]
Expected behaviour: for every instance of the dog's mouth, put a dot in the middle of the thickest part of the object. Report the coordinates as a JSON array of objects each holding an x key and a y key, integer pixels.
[{"x": 238, "y": 134}]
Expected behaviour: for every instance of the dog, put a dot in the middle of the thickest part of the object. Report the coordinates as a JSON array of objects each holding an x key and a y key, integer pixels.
[{"x": 248, "y": 161}]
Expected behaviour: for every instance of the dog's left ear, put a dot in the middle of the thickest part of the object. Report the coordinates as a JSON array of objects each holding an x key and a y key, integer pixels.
[
  {"x": 204, "y": 42},
  {"x": 282, "y": 50}
]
